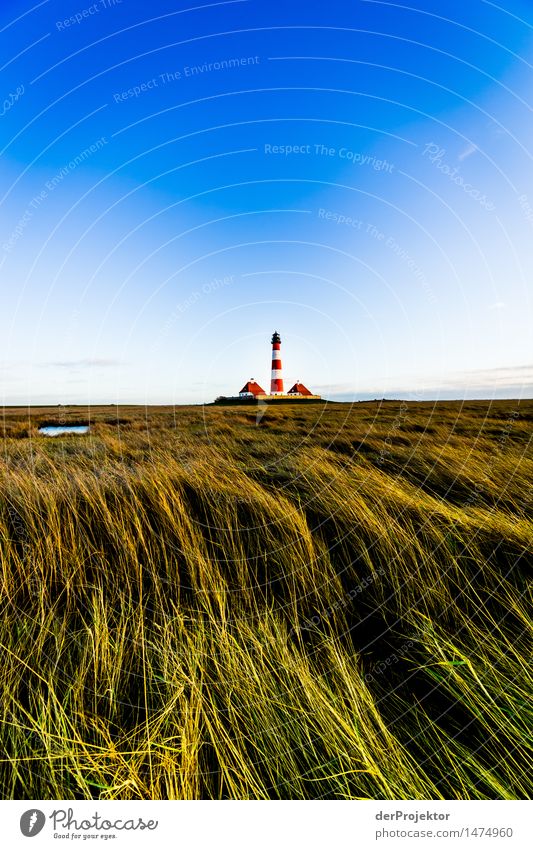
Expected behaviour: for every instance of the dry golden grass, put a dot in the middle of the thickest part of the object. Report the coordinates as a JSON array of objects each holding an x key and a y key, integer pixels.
[{"x": 330, "y": 603}]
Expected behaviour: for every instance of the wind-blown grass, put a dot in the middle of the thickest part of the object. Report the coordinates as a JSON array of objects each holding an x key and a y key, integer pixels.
[{"x": 330, "y": 603}]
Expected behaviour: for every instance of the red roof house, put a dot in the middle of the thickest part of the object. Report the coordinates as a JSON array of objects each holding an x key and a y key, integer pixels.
[
  {"x": 299, "y": 389},
  {"x": 251, "y": 388}
]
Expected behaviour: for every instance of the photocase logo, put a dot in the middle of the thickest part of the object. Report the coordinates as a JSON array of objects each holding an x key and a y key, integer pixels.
[{"x": 32, "y": 822}]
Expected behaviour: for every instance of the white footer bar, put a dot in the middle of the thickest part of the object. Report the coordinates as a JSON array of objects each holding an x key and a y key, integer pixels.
[{"x": 277, "y": 825}]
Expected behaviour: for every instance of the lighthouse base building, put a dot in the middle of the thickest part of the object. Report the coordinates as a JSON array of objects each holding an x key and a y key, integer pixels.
[{"x": 252, "y": 393}]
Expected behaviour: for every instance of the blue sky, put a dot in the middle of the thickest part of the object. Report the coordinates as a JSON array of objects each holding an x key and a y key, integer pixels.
[{"x": 180, "y": 180}]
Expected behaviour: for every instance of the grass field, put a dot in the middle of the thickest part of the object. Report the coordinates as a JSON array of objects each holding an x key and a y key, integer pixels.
[{"x": 329, "y": 602}]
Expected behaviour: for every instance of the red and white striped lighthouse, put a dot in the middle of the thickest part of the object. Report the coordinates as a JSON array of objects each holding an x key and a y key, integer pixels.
[{"x": 276, "y": 382}]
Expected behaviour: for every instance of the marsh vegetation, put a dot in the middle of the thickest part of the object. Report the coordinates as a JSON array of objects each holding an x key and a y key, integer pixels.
[{"x": 331, "y": 602}]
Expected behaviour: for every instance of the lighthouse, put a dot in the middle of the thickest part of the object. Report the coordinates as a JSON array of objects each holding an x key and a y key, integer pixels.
[
  {"x": 276, "y": 379},
  {"x": 251, "y": 392}
]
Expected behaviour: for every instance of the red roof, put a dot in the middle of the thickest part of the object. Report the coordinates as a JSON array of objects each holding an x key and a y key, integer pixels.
[
  {"x": 253, "y": 388},
  {"x": 299, "y": 389}
]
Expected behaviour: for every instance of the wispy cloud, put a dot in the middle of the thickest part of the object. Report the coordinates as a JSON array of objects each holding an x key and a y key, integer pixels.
[
  {"x": 508, "y": 376},
  {"x": 332, "y": 387},
  {"x": 505, "y": 381},
  {"x": 88, "y": 362}
]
